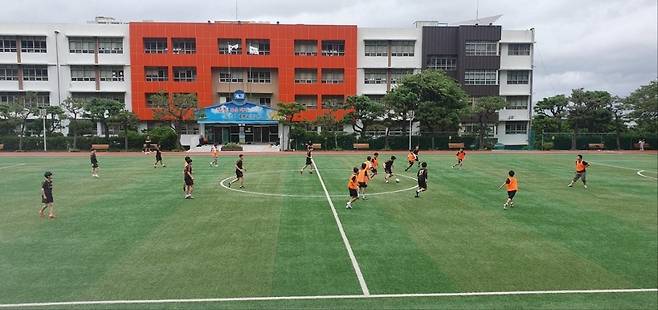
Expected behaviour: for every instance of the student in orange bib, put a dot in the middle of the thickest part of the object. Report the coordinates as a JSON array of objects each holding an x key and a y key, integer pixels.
[
  {"x": 353, "y": 187},
  {"x": 374, "y": 164},
  {"x": 362, "y": 178},
  {"x": 512, "y": 186},
  {"x": 214, "y": 152},
  {"x": 411, "y": 158},
  {"x": 581, "y": 171},
  {"x": 460, "y": 158}
]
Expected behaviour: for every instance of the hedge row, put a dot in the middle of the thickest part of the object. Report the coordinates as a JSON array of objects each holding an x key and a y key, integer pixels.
[
  {"x": 563, "y": 141},
  {"x": 346, "y": 141}
]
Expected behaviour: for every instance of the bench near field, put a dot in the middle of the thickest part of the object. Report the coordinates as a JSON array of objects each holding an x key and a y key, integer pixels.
[
  {"x": 636, "y": 146},
  {"x": 596, "y": 146},
  {"x": 453, "y": 146},
  {"x": 361, "y": 146},
  {"x": 100, "y": 147},
  {"x": 317, "y": 146}
]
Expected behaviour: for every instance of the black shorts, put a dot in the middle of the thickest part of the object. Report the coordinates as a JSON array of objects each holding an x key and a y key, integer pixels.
[
  {"x": 189, "y": 181},
  {"x": 388, "y": 171},
  {"x": 363, "y": 185},
  {"x": 158, "y": 158},
  {"x": 353, "y": 193},
  {"x": 510, "y": 194},
  {"x": 94, "y": 165},
  {"x": 239, "y": 173},
  {"x": 422, "y": 183},
  {"x": 308, "y": 162},
  {"x": 47, "y": 199},
  {"x": 374, "y": 171}
]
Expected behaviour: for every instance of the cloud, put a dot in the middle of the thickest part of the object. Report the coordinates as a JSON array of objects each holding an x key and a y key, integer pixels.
[{"x": 597, "y": 44}]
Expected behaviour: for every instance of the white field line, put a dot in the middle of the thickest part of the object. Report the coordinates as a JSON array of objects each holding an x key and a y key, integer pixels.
[
  {"x": 275, "y": 298},
  {"x": 637, "y": 171},
  {"x": 355, "y": 263},
  {"x": 12, "y": 166}
]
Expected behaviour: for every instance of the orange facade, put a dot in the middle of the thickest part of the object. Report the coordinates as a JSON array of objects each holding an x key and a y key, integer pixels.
[{"x": 207, "y": 59}]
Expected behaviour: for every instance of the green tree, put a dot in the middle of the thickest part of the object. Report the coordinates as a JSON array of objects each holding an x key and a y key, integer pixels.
[
  {"x": 177, "y": 110},
  {"x": 587, "y": 112},
  {"x": 363, "y": 112},
  {"x": 643, "y": 103},
  {"x": 618, "y": 109},
  {"x": 56, "y": 114},
  {"x": 101, "y": 110},
  {"x": 127, "y": 121},
  {"x": 551, "y": 114},
  {"x": 74, "y": 108},
  {"x": 20, "y": 110},
  {"x": 286, "y": 112},
  {"x": 484, "y": 111}
]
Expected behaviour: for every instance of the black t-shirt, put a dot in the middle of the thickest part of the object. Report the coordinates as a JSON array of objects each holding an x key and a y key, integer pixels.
[
  {"x": 158, "y": 154},
  {"x": 422, "y": 174},
  {"x": 388, "y": 164},
  {"x": 308, "y": 154},
  {"x": 47, "y": 187},
  {"x": 93, "y": 159},
  {"x": 239, "y": 164},
  {"x": 188, "y": 168},
  {"x": 416, "y": 152}
]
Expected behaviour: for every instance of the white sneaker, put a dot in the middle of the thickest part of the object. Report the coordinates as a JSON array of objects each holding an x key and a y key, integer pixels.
[{"x": 585, "y": 186}]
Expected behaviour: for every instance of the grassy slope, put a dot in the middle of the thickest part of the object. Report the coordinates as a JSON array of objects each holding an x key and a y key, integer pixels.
[{"x": 130, "y": 235}]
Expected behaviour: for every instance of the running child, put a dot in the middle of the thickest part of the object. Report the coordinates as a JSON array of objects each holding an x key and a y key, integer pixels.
[
  {"x": 422, "y": 179},
  {"x": 388, "y": 168},
  {"x": 188, "y": 178},
  {"x": 158, "y": 157},
  {"x": 374, "y": 164},
  {"x": 239, "y": 172},
  {"x": 309, "y": 161},
  {"x": 581, "y": 171},
  {"x": 353, "y": 187},
  {"x": 411, "y": 158},
  {"x": 214, "y": 152},
  {"x": 94, "y": 163},
  {"x": 47, "y": 195},
  {"x": 460, "y": 158},
  {"x": 362, "y": 179},
  {"x": 512, "y": 186}
]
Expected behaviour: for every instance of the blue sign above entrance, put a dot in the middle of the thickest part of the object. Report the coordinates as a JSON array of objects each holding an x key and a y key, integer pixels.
[{"x": 238, "y": 111}]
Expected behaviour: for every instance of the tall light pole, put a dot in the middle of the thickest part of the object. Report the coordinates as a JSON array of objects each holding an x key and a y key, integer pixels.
[
  {"x": 411, "y": 121},
  {"x": 44, "y": 112}
]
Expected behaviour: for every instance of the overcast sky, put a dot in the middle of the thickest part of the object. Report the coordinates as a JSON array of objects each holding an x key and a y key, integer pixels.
[{"x": 596, "y": 44}]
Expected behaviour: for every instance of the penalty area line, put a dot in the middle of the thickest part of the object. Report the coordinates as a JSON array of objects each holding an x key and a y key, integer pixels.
[
  {"x": 355, "y": 263},
  {"x": 229, "y": 299},
  {"x": 12, "y": 166}
]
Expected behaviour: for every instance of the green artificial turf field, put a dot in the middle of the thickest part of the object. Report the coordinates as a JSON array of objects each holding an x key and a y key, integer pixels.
[{"x": 130, "y": 235}]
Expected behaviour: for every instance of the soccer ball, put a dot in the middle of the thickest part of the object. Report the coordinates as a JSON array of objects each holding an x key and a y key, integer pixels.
[{"x": 397, "y": 180}]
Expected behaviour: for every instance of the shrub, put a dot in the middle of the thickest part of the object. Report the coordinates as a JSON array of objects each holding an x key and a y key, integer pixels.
[{"x": 232, "y": 147}]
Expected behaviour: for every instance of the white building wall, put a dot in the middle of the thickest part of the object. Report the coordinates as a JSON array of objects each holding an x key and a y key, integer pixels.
[{"x": 58, "y": 53}]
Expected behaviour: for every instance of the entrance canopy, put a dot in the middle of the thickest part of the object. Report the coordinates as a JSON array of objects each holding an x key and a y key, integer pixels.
[{"x": 238, "y": 111}]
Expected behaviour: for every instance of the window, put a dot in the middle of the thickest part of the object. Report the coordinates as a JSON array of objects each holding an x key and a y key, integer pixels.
[
  {"x": 184, "y": 46},
  {"x": 306, "y": 76},
  {"x": 110, "y": 45},
  {"x": 333, "y": 48},
  {"x": 376, "y": 98},
  {"x": 402, "y": 48},
  {"x": 8, "y": 73},
  {"x": 517, "y": 102},
  {"x": 83, "y": 73},
  {"x": 259, "y": 76},
  {"x": 258, "y": 47},
  {"x": 397, "y": 74},
  {"x": 82, "y": 45},
  {"x": 156, "y": 74},
  {"x": 481, "y": 48},
  {"x": 375, "y": 48},
  {"x": 231, "y": 76},
  {"x": 118, "y": 96},
  {"x": 266, "y": 101},
  {"x": 310, "y": 101},
  {"x": 184, "y": 74},
  {"x": 518, "y": 49},
  {"x": 150, "y": 102},
  {"x": 332, "y": 76},
  {"x": 518, "y": 77},
  {"x": 111, "y": 74},
  {"x": 35, "y": 73},
  {"x": 480, "y": 77},
  {"x": 374, "y": 76},
  {"x": 332, "y": 102},
  {"x": 445, "y": 63},
  {"x": 42, "y": 99},
  {"x": 516, "y": 128},
  {"x": 306, "y": 48},
  {"x": 155, "y": 45},
  {"x": 190, "y": 129},
  {"x": 33, "y": 45},
  {"x": 230, "y": 46},
  {"x": 7, "y": 45}
]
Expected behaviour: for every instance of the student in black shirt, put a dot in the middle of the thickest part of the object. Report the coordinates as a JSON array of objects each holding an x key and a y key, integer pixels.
[
  {"x": 309, "y": 161},
  {"x": 94, "y": 163},
  {"x": 422, "y": 179},
  {"x": 239, "y": 172},
  {"x": 158, "y": 157},
  {"x": 47, "y": 195},
  {"x": 388, "y": 168}
]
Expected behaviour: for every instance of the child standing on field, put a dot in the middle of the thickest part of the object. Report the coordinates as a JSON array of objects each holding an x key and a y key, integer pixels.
[
  {"x": 158, "y": 157},
  {"x": 214, "y": 152},
  {"x": 47, "y": 195},
  {"x": 512, "y": 186},
  {"x": 94, "y": 163}
]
